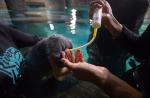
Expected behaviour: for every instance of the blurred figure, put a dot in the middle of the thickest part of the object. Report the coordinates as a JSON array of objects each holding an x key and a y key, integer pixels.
[
  {"x": 11, "y": 58},
  {"x": 106, "y": 51}
]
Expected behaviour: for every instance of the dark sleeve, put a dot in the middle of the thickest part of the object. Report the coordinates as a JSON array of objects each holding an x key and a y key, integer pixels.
[
  {"x": 21, "y": 39},
  {"x": 138, "y": 46},
  {"x": 6, "y": 85}
]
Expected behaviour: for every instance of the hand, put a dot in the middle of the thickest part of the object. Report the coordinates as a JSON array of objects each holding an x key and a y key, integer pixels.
[
  {"x": 99, "y": 76},
  {"x": 73, "y": 57},
  {"x": 60, "y": 72},
  {"x": 106, "y": 9},
  {"x": 80, "y": 69},
  {"x": 108, "y": 20},
  {"x": 86, "y": 72}
]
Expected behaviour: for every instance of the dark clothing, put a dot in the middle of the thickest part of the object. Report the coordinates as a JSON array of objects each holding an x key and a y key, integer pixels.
[
  {"x": 139, "y": 47},
  {"x": 128, "y": 12},
  {"x": 11, "y": 59}
]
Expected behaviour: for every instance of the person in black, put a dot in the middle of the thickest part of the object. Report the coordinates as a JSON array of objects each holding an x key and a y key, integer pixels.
[
  {"x": 11, "y": 59},
  {"x": 23, "y": 76},
  {"x": 130, "y": 13},
  {"x": 101, "y": 76},
  {"x": 139, "y": 46}
]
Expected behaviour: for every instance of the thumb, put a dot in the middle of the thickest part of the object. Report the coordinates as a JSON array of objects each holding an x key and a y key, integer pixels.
[{"x": 67, "y": 63}]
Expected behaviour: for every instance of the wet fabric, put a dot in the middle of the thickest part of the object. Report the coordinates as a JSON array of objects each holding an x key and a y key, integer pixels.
[
  {"x": 104, "y": 50},
  {"x": 11, "y": 59},
  {"x": 139, "y": 47}
]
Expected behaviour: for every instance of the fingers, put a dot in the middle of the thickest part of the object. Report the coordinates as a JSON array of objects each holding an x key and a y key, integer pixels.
[
  {"x": 69, "y": 55},
  {"x": 67, "y": 63},
  {"x": 70, "y": 60},
  {"x": 74, "y": 58},
  {"x": 95, "y": 4},
  {"x": 92, "y": 9},
  {"x": 78, "y": 56}
]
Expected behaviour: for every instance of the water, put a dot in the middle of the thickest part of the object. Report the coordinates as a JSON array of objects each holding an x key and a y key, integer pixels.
[{"x": 71, "y": 23}]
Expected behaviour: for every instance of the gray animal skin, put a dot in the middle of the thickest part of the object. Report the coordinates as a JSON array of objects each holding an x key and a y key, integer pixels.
[{"x": 36, "y": 75}]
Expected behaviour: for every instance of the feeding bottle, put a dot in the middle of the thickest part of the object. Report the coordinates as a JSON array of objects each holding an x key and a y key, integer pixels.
[{"x": 97, "y": 17}]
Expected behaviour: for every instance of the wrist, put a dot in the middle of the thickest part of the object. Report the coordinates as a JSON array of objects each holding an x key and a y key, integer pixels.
[{"x": 113, "y": 26}]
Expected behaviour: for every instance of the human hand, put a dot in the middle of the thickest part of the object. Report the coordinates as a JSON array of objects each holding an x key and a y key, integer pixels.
[
  {"x": 108, "y": 20},
  {"x": 60, "y": 72},
  {"x": 73, "y": 57},
  {"x": 106, "y": 9},
  {"x": 84, "y": 71}
]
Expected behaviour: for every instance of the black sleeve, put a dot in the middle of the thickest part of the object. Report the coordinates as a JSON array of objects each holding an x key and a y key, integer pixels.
[
  {"x": 21, "y": 39},
  {"x": 138, "y": 46}
]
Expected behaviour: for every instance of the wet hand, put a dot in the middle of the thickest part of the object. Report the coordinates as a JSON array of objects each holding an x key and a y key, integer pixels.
[
  {"x": 73, "y": 57},
  {"x": 108, "y": 20},
  {"x": 106, "y": 9},
  {"x": 86, "y": 72},
  {"x": 59, "y": 71}
]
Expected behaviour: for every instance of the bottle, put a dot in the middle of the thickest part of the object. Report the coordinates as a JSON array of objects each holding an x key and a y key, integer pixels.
[{"x": 97, "y": 18}]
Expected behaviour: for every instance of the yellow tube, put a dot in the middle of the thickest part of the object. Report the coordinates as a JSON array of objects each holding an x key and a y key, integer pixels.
[{"x": 85, "y": 45}]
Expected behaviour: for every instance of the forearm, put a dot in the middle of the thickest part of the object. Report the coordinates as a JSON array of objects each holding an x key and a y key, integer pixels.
[
  {"x": 23, "y": 39},
  {"x": 127, "y": 39},
  {"x": 117, "y": 29},
  {"x": 113, "y": 26},
  {"x": 115, "y": 87}
]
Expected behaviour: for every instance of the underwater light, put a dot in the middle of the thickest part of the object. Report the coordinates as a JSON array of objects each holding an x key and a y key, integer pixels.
[{"x": 51, "y": 26}]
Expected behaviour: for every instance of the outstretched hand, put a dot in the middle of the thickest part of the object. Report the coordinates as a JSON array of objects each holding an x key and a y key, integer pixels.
[
  {"x": 73, "y": 57},
  {"x": 81, "y": 70},
  {"x": 60, "y": 71}
]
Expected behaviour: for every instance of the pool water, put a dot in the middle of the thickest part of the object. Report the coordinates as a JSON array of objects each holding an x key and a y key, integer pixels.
[{"x": 71, "y": 23}]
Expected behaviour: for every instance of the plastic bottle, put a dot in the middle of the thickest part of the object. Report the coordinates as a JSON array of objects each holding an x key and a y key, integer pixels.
[{"x": 97, "y": 17}]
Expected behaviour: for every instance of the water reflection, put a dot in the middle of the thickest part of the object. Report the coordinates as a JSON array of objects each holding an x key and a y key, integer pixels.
[
  {"x": 51, "y": 26},
  {"x": 73, "y": 21}
]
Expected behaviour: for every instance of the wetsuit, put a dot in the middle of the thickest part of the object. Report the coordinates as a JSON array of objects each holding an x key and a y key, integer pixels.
[
  {"x": 11, "y": 59},
  {"x": 100, "y": 52},
  {"x": 140, "y": 48}
]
